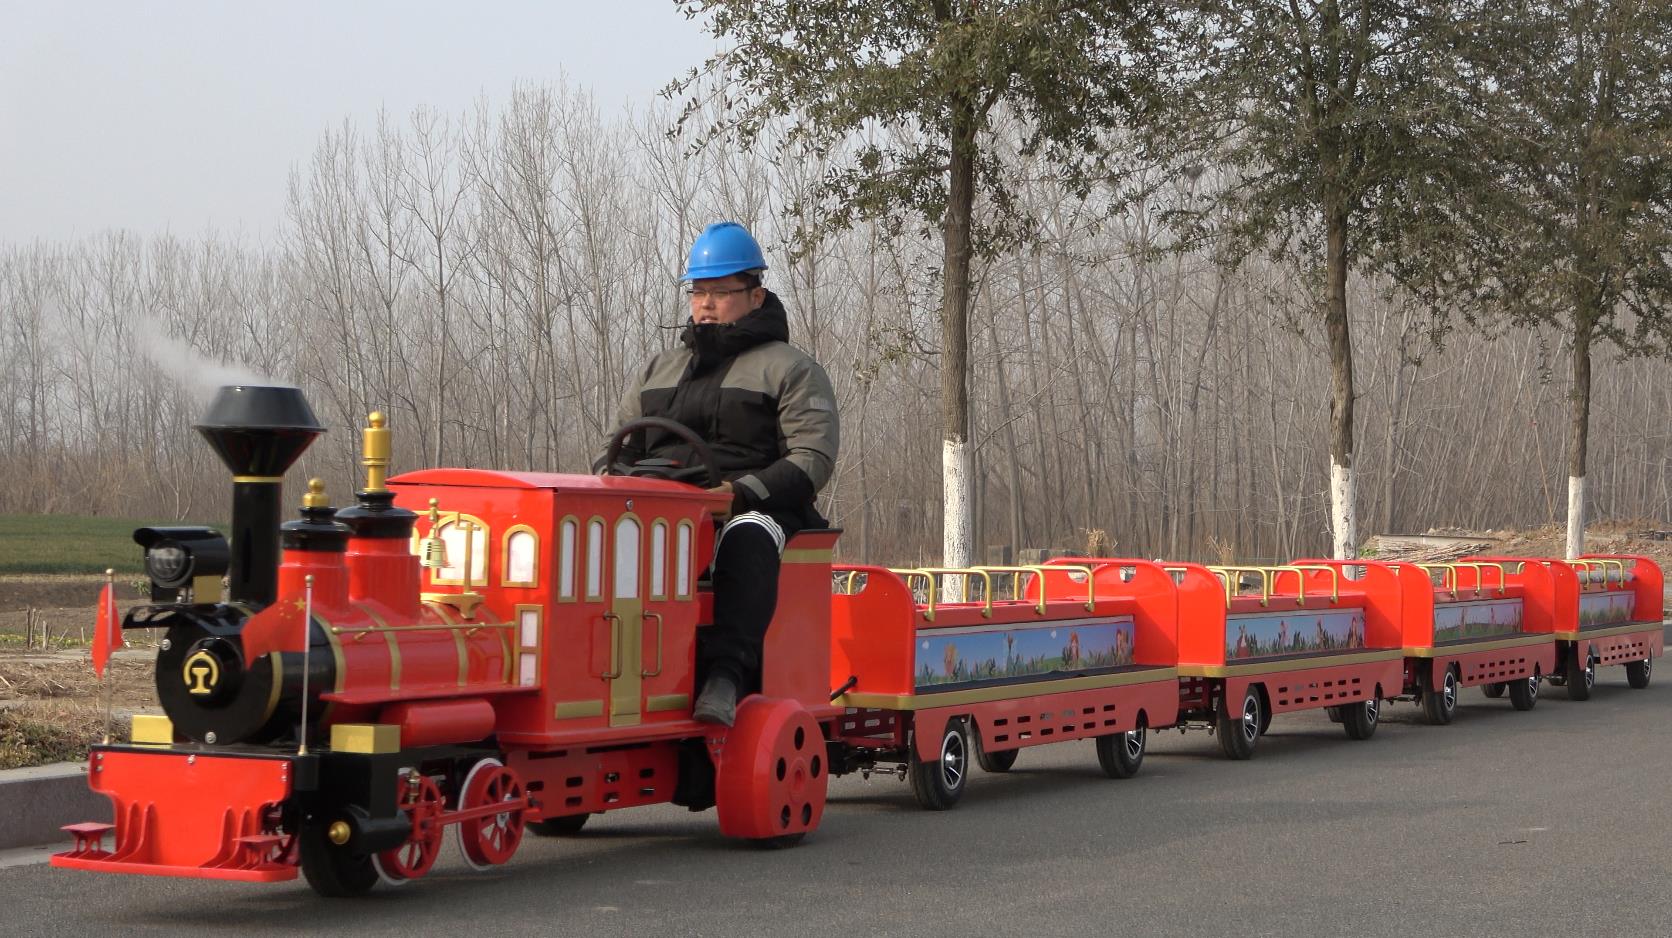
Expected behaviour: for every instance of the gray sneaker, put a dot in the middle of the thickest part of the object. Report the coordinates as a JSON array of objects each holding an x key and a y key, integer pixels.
[{"x": 717, "y": 703}]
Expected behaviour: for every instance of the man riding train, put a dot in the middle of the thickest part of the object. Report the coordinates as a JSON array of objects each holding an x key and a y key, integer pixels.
[{"x": 768, "y": 414}]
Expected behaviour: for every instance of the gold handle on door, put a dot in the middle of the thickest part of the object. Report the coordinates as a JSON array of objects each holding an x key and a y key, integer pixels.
[
  {"x": 615, "y": 646},
  {"x": 658, "y": 618}
]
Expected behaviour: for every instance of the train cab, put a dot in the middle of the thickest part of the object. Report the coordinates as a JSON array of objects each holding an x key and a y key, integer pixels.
[{"x": 599, "y": 575}]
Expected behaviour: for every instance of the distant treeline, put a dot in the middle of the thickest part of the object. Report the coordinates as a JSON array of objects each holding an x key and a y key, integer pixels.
[{"x": 488, "y": 280}]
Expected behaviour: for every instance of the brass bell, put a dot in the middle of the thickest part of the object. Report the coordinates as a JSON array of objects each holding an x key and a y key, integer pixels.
[
  {"x": 435, "y": 554},
  {"x": 432, "y": 553}
]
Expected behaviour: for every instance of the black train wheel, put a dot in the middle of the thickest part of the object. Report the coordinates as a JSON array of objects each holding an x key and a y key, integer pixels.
[
  {"x": 1439, "y": 702},
  {"x": 1637, "y": 673},
  {"x": 331, "y": 869},
  {"x": 938, "y": 784},
  {"x": 1121, "y": 755},
  {"x": 1581, "y": 676},
  {"x": 1237, "y": 724},
  {"x": 1360, "y": 719},
  {"x": 994, "y": 762},
  {"x": 1523, "y": 693}
]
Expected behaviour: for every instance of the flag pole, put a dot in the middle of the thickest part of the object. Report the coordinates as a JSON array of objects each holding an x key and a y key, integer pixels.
[
  {"x": 105, "y": 615},
  {"x": 307, "y": 635}
]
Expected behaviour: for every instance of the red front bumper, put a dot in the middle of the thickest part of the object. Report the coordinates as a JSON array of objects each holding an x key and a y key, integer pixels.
[{"x": 187, "y": 814}]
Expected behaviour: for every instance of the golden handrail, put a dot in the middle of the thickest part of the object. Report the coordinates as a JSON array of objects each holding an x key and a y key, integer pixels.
[
  {"x": 1265, "y": 581},
  {"x": 1480, "y": 574},
  {"x": 1480, "y": 577},
  {"x": 1335, "y": 572},
  {"x": 1503, "y": 578},
  {"x": 1015, "y": 590},
  {"x": 356, "y": 631},
  {"x": 930, "y": 575},
  {"x": 1448, "y": 574},
  {"x": 986, "y": 583},
  {"x": 1604, "y": 562},
  {"x": 906, "y": 574},
  {"x": 1300, "y": 581},
  {"x": 1040, "y": 571}
]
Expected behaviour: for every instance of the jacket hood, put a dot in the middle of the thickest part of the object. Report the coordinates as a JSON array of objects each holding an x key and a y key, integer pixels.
[{"x": 713, "y": 343}]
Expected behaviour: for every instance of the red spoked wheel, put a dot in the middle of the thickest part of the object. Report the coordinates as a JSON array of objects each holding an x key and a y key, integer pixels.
[
  {"x": 772, "y": 777},
  {"x": 492, "y": 839},
  {"x": 422, "y": 801}
]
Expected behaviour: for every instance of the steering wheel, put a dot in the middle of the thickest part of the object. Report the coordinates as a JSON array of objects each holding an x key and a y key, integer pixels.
[{"x": 705, "y": 456}]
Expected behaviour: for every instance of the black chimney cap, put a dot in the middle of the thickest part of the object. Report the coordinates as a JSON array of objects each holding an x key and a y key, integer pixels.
[{"x": 259, "y": 431}]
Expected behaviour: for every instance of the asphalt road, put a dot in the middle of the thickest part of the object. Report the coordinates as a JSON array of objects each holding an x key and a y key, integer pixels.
[{"x": 1549, "y": 822}]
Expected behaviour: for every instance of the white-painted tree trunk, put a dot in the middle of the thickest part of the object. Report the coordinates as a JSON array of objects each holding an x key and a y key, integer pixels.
[
  {"x": 1342, "y": 515},
  {"x": 1576, "y": 517},
  {"x": 958, "y": 522}
]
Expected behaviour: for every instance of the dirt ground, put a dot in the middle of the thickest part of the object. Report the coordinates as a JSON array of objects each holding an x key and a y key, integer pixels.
[
  {"x": 52, "y": 705},
  {"x": 59, "y": 612},
  {"x": 1651, "y": 539}
]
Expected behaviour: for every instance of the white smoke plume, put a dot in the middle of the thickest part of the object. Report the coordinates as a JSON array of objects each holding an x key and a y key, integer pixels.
[{"x": 191, "y": 369}]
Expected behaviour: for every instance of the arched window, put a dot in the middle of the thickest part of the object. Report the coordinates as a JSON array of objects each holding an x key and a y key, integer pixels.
[
  {"x": 522, "y": 557},
  {"x": 452, "y": 534},
  {"x": 569, "y": 532},
  {"x": 659, "y": 559},
  {"x": 682, "y": 562},
  {"x": 595, "y": 559},
  {"x": 627, "y": 558}
]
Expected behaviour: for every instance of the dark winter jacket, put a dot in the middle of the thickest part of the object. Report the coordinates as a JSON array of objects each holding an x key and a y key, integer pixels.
[{"x": 766, "y": 410}]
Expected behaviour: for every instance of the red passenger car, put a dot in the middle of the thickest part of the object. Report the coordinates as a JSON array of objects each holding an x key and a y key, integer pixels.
[
  {"x": 1469, "y": 624},
  {"x": 1082, "y": 649},
  {"x": 1259, "y": 641},
  {"x": 1608, "y": 612}
]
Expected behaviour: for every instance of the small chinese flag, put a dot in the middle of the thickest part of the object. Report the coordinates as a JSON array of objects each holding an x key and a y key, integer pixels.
[
  {"x": 276, "y": 628},
  {"x": 107, "y": 631}
]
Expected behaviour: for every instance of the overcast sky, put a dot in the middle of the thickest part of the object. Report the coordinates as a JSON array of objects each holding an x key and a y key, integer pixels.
[{"x": 187, "y": 115}]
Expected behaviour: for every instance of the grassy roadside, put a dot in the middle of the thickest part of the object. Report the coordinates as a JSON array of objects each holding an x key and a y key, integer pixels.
[
  {"x": 52, "y": 706},
  {"x": 52, "y": 731},
  {"x": 67, "y": 544}
]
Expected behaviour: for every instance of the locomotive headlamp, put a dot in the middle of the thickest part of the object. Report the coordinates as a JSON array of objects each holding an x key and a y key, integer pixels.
[
  {"x": 177, "y": 557},
  {"x": 165, "y": 563}
]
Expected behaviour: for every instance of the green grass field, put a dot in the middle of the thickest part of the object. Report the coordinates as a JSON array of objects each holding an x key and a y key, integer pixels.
[{"x": 67, "y": 544}]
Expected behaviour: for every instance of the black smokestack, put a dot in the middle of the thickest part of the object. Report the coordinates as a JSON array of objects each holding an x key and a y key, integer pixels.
[{"x": 259, "y": 432}]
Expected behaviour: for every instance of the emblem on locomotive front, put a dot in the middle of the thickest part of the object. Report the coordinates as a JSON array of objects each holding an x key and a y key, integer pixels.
[{"x": 202, "y": 674}]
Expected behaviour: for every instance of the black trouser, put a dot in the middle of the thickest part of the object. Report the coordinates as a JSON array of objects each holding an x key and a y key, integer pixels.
[{"x": 745, "y": 597}]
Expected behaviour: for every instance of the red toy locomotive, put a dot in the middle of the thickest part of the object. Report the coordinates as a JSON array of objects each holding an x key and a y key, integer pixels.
[{"x": 533, "y": 667}]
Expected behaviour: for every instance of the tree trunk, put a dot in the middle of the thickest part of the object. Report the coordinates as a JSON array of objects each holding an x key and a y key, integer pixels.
[
  {"x": 1343, "y": 519},
  {"x": 1579, "y": 429},
  {"x": 957, "y": 522}
]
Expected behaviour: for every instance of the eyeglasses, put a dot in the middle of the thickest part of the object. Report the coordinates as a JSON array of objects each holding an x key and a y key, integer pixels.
[{"x": 696, "y": 295}]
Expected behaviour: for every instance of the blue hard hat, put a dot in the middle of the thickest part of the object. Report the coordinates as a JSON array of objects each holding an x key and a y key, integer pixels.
[{"x": 724, "y": 248}]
